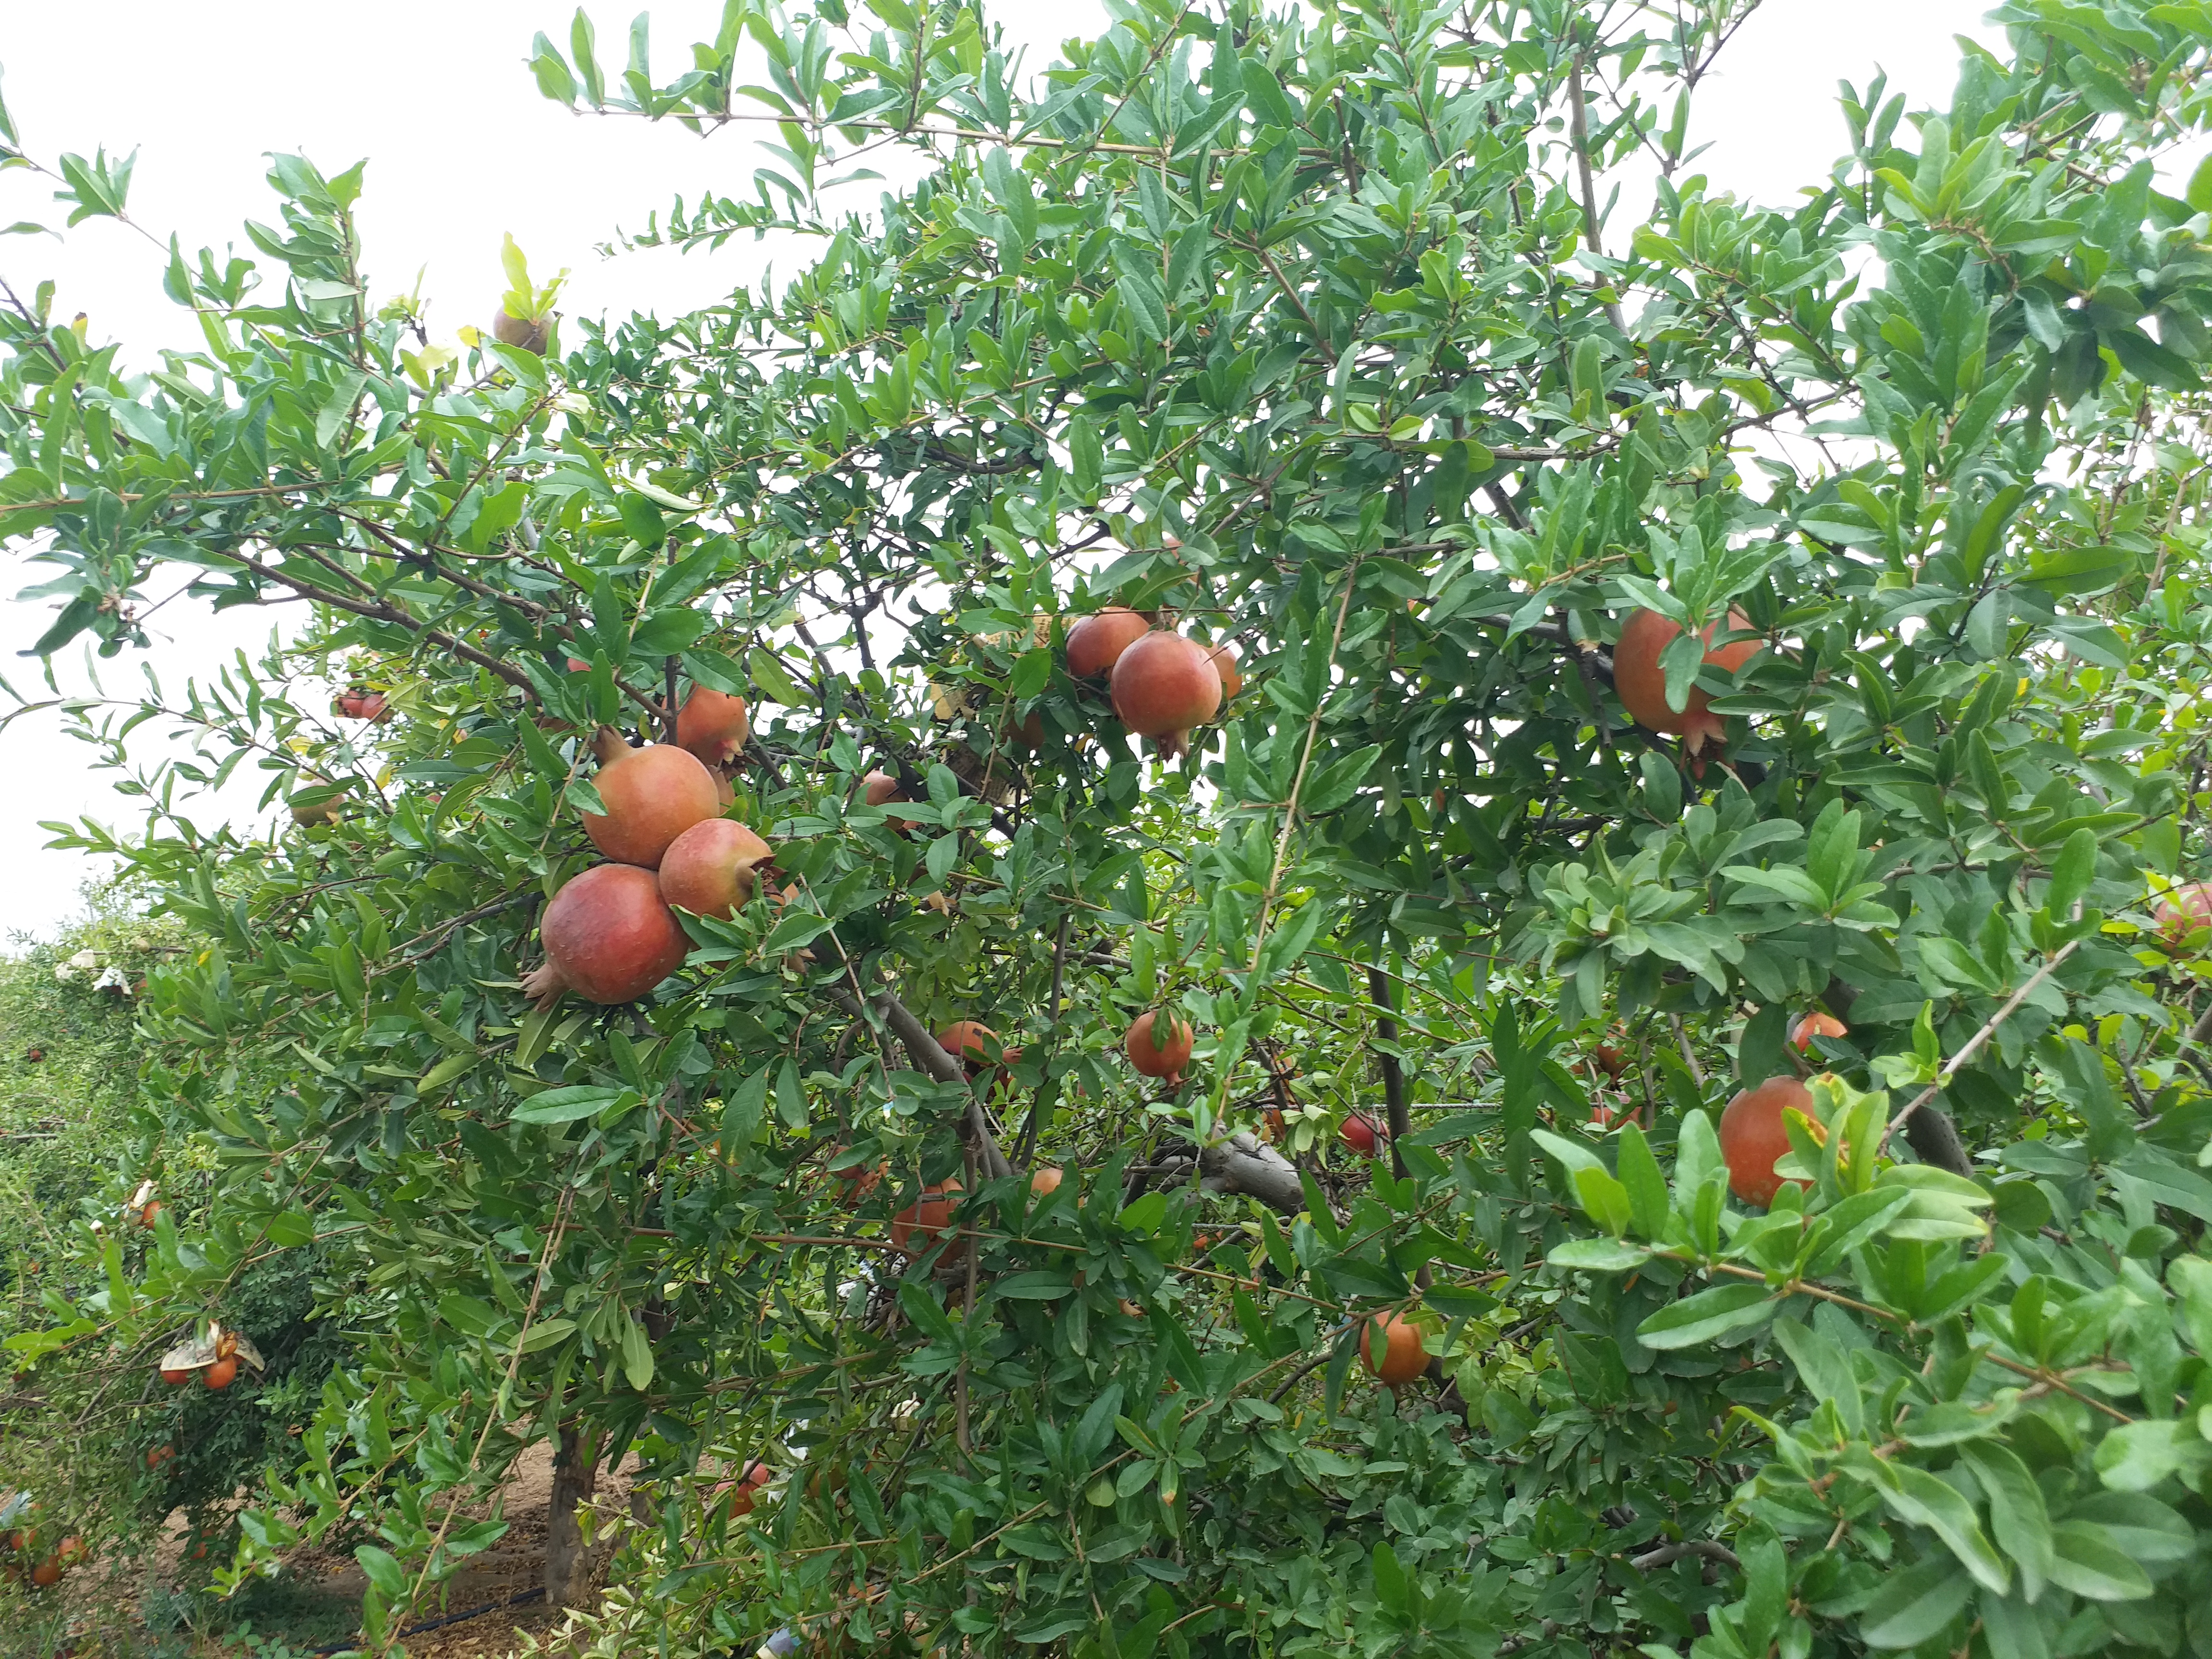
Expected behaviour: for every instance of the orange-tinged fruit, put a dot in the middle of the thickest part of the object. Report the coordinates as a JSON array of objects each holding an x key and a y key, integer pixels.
[
  {"x": 221, "y": 1374},
  {"x": 1403, "y": 1358},
  {"x": 1159, "y": 1046},
  {"x": 1817, "y": 1023},
  {"x": 653, "y": 795},
  {"x": 708, "y": 869},
  {"x": 1753, "y": 1137},
  {"x": 712, "y": 725},
  {"x": 1097, "y": 642},
  {"x": 1641, "y": 683}
]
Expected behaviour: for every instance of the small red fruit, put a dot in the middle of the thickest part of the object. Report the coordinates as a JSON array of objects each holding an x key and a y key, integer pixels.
[
  {"x": 609, "y": 937},
  {"x": 151, "y": 1213},
  {"x": 708, "y": 869},
  {"x": 159, "y": 1456},
  {"x": 1753, "y": 1137},
  {"x": 1162, "y": 686},
  {"x": 221, "y": 1374},
  {"x": 970, "y": 1043},
  {"x": 47, "y": 1573},
  {"x": 1817, "y": 1023},
  {"x": 1361, "y": 1134},
  {"x": 881, "y": 789},
  {"x": 1158, "y": 1051},
  {"x": 2185, "y": 910},
  {"x": 359, "y": 705},
  {"x": 1610, "y": 1059},
  {"x": 1097, "y": 642},
  {"x": 653, "y": 795},
  {"x": 1642, "y": 683},
  {"x": 929, "y": 1218},
  {"x": 712, "y": 725},
  {"x": 1046, "y": 1180},
  {"x": 757, "y": 1474},
  {"x": 173, "y": 1377},
  {"x": 1403, "y": 1356}
]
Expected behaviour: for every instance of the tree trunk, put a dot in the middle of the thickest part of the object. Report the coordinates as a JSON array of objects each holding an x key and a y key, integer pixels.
[{"x": 575, "y": 1476}]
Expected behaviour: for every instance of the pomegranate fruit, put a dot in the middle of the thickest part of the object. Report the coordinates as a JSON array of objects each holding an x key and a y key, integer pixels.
[
  {"x": 174, "y": 1375},
  {"x": 712, "y": 725},
  {"x": 1753, "y": 1137},
  {"x": 1642, "y": 683},
  {"x": 527, "y": 334},
  {"x": 220, "y": 1375},
  {"x": 2185, "y": 910},
  {"x": 925, "y": 1220},
  {"x": 881, "y": 789},
  {"x": 742, "y": 1493},
  {"x": 609, "y": 937},
  {"x": 653, "y": 795},
  {"x": 1097, "y": 640},
  {"x": 1046, "y": 1180},
  {"x": 708, "y": 869},
  {"x": 1162, "y": 686},
  {"x": 151, "y": 1213},
  {"x": 965, "y": 1040},
  {"x": 1223, "y": 659},
  {"x": 47, "y": 1573},
  {"x": 1610, "y": 1059},
  {"x": 1817, "y": 1023},
  {"x": 1361, "y": 1134},
  {"x": 1159, "y": 1049},
  {"x": 360, "y": 705},
  {"x": 159, "y": 1456},
  {"x": 1402, "y": 1359}
]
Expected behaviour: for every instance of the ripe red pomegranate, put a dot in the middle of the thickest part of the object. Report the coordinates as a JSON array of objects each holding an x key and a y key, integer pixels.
[
  {"x": 1045, "y": 1180},
  {"x": 1753, "y": 1137},
  {"x": 159, "y": 1456},
  {"x": 47, "y": 1573},
  {"x": 964, "y": 1041},
  {"x": 1223, "y": 659},
  {"x": 653, "y": 795},
  {"x": 609, "y": 937},
  {"x": 1642, "y": 684},
  {"x": 1157, "y": 1049},
  {"x": 1604, "y": 1114},
  {"x": 881, "y": 789},
  {"x": 151, "y": 1213},
  {"x": 712, "y": 725},
  {"x": 174, "y": 1375},
  {"x": 708, "y": 869},
  {"x": 757, "y": 1474},
  {"x": 1361, "y": 1134},
  {"x": 1817, "y": 1023},
  {"x": 1610, "y": 1059},
  {"x": 1403, "y": 1357},
  {"x": 2184, "y": 911},
  {"x": 1162, "y": 686},
  {"x": 360, "y": 705},
  {"x": 927, "y": 1220},
  {"x": 220, "y": 1375},
  {"x": 1097, "y": 640}
]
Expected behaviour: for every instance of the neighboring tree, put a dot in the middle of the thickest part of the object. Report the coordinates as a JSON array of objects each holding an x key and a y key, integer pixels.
[{"x": 1648, "y": 640}]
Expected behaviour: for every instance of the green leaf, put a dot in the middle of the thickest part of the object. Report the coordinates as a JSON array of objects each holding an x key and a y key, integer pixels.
[
  {"x": 2137, "y": 1456},
  {"x": 1601, "y": 1255},
  {"x": 2086, "y": 1559},
  {"x": 1914, "y": 1495},
  {"x": 1917, "y": 1606},
  {"x": 382, "y": 1569},
  {"x": 2018, "y": 1515},
  {"x": 774, "y": 679},
  {"x": 1646, "y": 1186},
  {"x": 637, "y": 1355},
  {"x": 566, "y": 1105},
  {"x": 1708, "y": 1314}
]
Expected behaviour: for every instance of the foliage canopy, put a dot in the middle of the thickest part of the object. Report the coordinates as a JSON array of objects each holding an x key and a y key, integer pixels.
[{"x": 1307, "y": 330}]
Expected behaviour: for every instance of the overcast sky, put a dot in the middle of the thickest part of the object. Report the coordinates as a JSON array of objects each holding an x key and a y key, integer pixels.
[{"x": 462, "y": 149}]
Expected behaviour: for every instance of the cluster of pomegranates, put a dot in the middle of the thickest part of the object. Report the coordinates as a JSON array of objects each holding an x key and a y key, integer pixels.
[
  {"x": 42, "y": 1567},
  {"x": 1163, "y": 684},
  {"x": 610, "y": 934}
]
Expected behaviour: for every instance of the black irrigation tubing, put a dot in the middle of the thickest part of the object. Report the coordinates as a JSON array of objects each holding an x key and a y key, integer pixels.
[{"x": 514, "y": 1600}]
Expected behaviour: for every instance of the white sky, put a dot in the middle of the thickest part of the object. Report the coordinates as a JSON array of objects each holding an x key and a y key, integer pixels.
[{"x": 462, "y": 148}]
